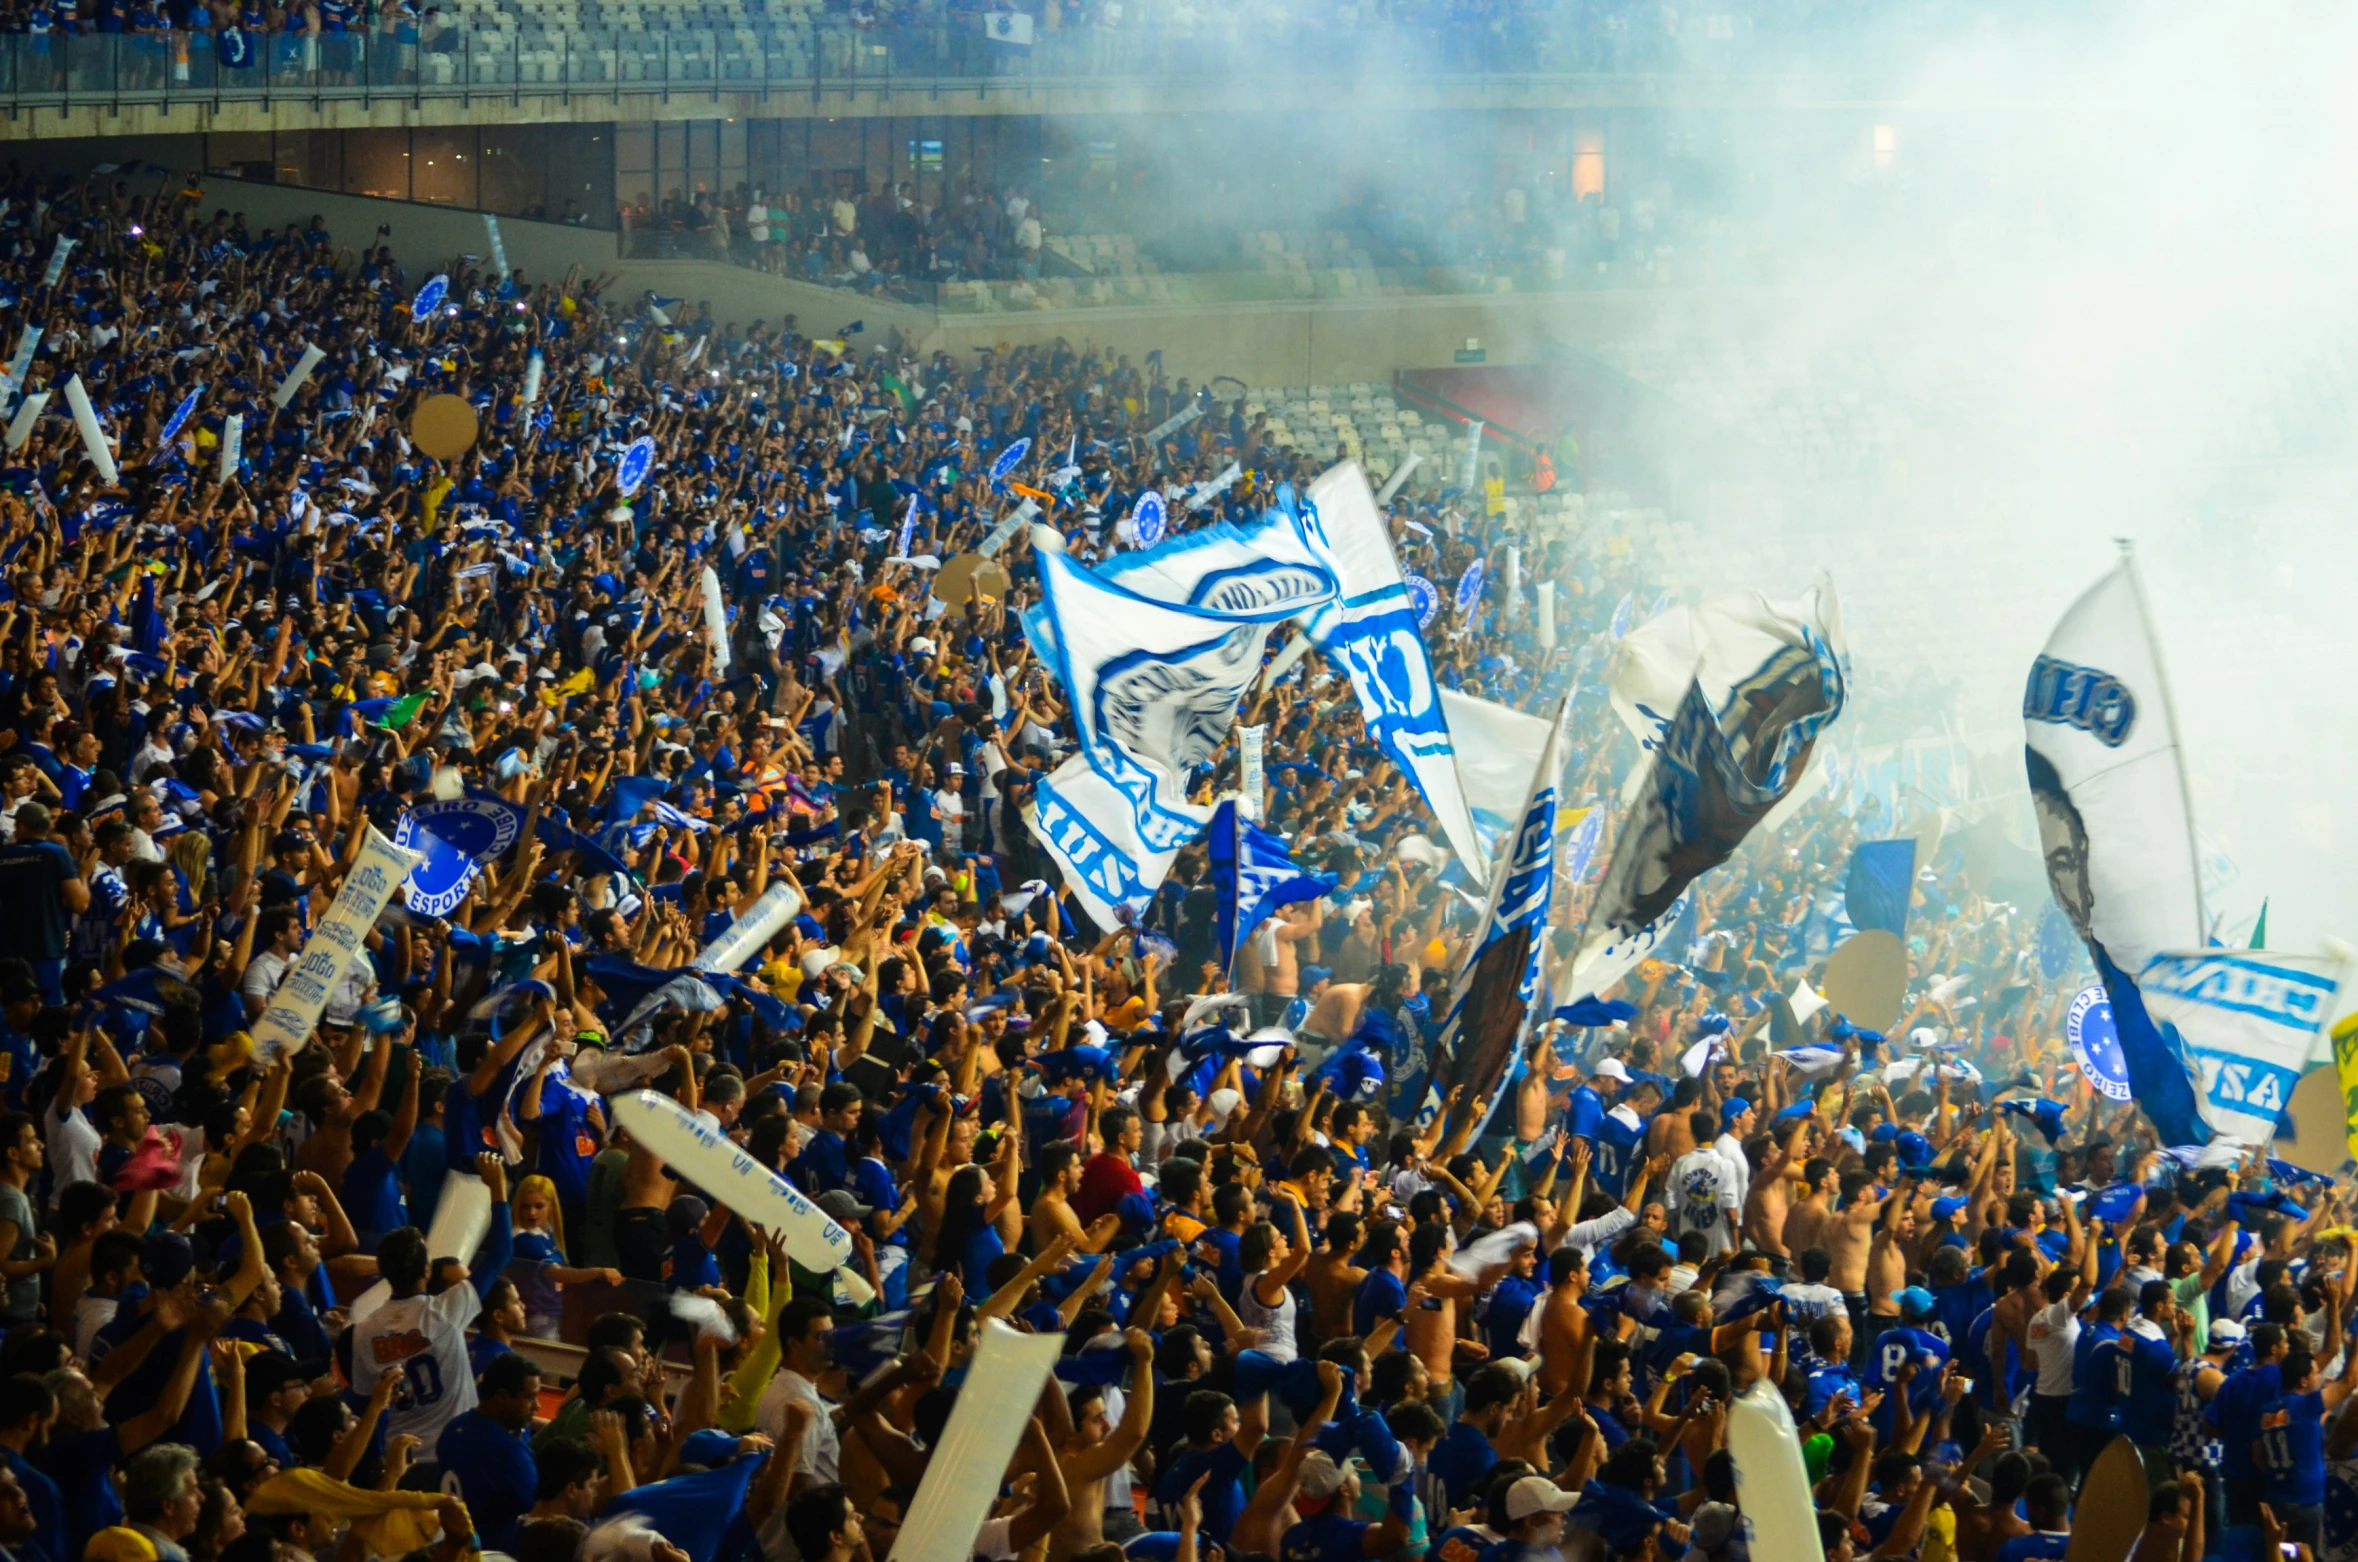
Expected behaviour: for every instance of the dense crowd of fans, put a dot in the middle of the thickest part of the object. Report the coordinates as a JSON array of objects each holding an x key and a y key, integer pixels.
[{"x": 1294, "y": 1324}]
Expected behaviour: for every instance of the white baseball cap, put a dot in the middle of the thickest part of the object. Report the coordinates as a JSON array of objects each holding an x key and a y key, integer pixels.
[
  {"x": 1537, "y": 1494},
  {"x": 1613, "y": 1068}
]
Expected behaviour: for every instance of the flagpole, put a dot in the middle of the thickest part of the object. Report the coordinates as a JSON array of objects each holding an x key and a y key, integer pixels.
[{"x": 2161, "y": 680}]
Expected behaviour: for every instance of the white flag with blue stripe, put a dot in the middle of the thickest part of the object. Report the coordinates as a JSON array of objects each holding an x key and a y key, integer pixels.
[
  {"x": 1371, "y": 628},
  {"x": 2244, "y": 1022},
  {"x": 1480, "y": 1048}
]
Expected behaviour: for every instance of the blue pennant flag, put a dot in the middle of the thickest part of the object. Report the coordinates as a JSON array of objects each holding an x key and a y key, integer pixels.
[
  {"x": 1876, "y": 892},
  {"x": 629, "y": 797},
  {"x": 1254, "y": 875},
  {"x": 1150, "y": 518}
]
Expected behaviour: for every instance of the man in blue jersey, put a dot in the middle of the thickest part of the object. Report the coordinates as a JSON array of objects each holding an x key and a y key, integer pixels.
[
  {"x": 1908, "y": 1345},
  {"x": 2234, "y": 1415},
  {"x": 2291, "y": 1450},
  {"x": 2099, "y": 1377},
  {"x": 2151, "y": 1342},
  {"x": 1327, "y": 1531}
]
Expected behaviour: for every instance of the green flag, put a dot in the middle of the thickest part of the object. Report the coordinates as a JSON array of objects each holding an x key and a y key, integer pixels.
[
  {"x": 403, "y": 711},
  {"x": 898, "y": 387},
  {"x": 2260, "y": 928}
]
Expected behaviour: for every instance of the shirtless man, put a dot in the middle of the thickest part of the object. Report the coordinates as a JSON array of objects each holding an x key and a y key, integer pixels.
[
  {"x": 1773, "y": 1189},
  {"x": 1670, "y": 1133},
  {"x": 1333, "y": 1279},
  {"x": 1565, "y": 1332},
  {"x": 1053, "y": 1217},
  {"x": 1805, "y": 1219},
  {"x": 1887, "y": 1256},
  {"x": 1279, "y": 979},
  {"x": 1097, "y": 1447},
  {"x": 642, "y": 1234},
  {"x": 1432, "y": 1321},
  {"x": 1845, "y": 1238},
  {"x": 1335, "y": 1018}
]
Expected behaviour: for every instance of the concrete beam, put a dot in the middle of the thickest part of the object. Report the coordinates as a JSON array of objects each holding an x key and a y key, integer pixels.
[{"x": 352, "y": 108}]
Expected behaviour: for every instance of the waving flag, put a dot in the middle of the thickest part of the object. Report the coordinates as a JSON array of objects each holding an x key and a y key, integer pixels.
[
  {"x": 1371, "y": 628},
  {"x": 1480, "y": 1047},
  {"x": 1721, "y": 767},
  {"x": 1154, "y": 651},
  {"x": 1254, "y": 876},
  {"x": 451, "y": 838},
  {"x": 2108, "y": 783},
  {"x": 1497, "y": 747},
  {"x": 693, "y": 1512},
  {"x": 2245, "y": 1021}
]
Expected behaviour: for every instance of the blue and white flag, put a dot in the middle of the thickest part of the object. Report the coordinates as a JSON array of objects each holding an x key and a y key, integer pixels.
[
  {"x": 180, "y": 415},
  {"x": 2245, "y": 1021},
  {"x": 452, "y": 837},
  {"x": 1009, "y": 459},
  {"x": 2108, "y": 784},
  {"x": 2096, "y": 1043},
  {"x": 429, "y": 297},
  {"x": 630, "y": 473},
  {"x": 1480, "y": 1049},
  {"x": 1498, "y": 748},
  {"x": 1469, "y": 587},
  {"x": 1580, "y": 849},
  {"x": 1719, "y": 771},
  {"x": 1426, "y": 599},
  {"x": 1155, "y": 652},
  {"x": 1254, "y": 876},
  {"x": 1715, "y": 642},
  {"x": 1371, "y": 628},
  {"x": 1150, "y": 519}
]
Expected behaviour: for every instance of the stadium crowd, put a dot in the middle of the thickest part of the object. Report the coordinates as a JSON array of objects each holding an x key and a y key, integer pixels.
[{"x": 1296, "y": 1324}]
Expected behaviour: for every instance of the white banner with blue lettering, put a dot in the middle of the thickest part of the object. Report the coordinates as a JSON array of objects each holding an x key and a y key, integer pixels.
[
  {"x": 2244, "y": 1021},
  {"x": 2109, "y": 791},
  {"x": 1480, "y": 1047},
  {"x": 1155, "y": 653},
  {"x": 1372, "y": 629}
]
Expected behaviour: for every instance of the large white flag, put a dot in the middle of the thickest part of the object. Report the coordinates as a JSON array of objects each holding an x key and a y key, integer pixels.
[
  {"x": 1490, "y": 1002},
  {"x": 1720, "y": 768},
  {"x": 1715, "y": 642},
  {"x": 1154, "y": 682},
  {"x": 1371, "y": 629},
  {"x": 2108, "y": 783},
  {"x": 2108, "y": 778},
  {"x": 2244, "y": 1021},
  {"x": 1498, "y": 749}
]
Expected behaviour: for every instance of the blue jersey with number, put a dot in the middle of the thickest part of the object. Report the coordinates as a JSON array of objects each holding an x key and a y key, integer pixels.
[
  {"x": 2292, "y": 1448},
  {"x": 1894, "y": 1350},
  {"x": 2099, "y": 1378}
]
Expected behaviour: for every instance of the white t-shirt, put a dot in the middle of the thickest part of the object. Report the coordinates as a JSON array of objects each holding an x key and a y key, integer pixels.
[
  {"x": 424, "y": 1338},
  {"x": 1700, "y": 1189},
  {"x": 74, "y": 1143},
  {"x": 2054, "y": 1332},
  {"x": 91, "y": 1314},
  {"x": 821, "y": 1454}
]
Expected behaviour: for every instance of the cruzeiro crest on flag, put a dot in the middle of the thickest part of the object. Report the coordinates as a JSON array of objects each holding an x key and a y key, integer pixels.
[{"x": 630, "y": 473}]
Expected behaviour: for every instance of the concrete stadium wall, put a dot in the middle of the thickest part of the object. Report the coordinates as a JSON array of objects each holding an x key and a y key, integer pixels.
[
  {"x": 426, "y": 238},
  {"x": 1307, "y": 343}
]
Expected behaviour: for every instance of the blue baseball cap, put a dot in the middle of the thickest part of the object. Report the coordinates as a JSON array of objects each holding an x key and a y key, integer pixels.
[
  {"x": 1947, "y": 1209},
  {"x": 1732, "y": 1110},
  {"x": 1914, "y": 1300}
]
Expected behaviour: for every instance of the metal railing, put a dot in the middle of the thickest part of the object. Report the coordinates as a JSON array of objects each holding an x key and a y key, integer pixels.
[{"x": 524, "y": 57}]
